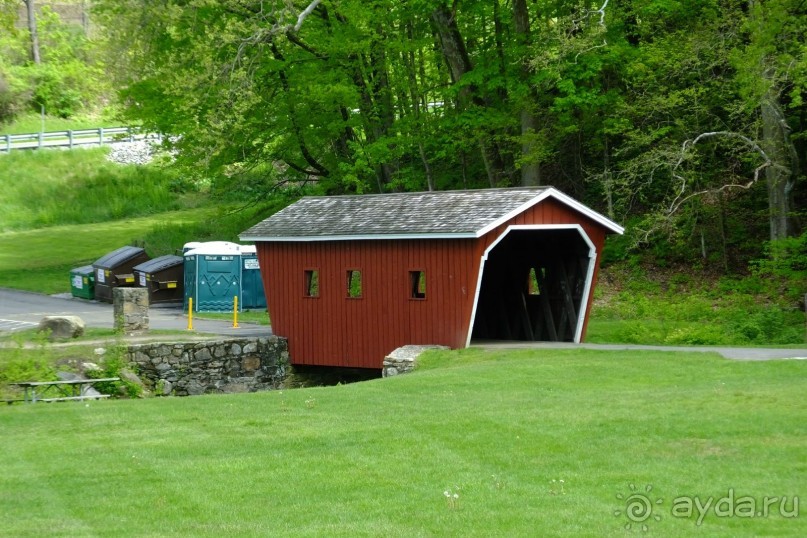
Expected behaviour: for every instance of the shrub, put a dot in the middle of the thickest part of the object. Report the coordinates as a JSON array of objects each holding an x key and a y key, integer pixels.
[
  {"x": 12, "y": 98},
  {"x": 57, "y": 88},
  {"x": 6, "y": 101},
  {"x": 112, "y": 366},
  {"x": 784, "y": 270},
  {"x": 771, "y": 325},
  {"x": 696, "y": 335},
  {"x": 20, "y": 364}
]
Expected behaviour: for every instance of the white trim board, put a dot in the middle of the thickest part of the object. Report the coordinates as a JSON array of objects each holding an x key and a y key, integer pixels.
[
  {"x": 552, "y": 192},
  {"x": 592, "y": 260}
]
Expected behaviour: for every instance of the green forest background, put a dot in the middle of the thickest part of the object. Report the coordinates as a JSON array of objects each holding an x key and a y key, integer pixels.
[{"x": 682, "y": 120}]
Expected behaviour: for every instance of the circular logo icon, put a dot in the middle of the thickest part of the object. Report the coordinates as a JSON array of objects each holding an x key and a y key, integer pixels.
[{"x": 638, "y": 507}]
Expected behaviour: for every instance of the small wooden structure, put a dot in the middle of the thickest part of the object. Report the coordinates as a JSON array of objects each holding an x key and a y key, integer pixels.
[
  {"x": 162, "y": 277},
  {"x": 114, "y": 270},
  {"x": 348, "y": 279}
]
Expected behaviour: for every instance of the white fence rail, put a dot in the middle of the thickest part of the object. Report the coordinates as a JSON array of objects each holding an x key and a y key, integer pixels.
[{"x": 71, "y": 138}]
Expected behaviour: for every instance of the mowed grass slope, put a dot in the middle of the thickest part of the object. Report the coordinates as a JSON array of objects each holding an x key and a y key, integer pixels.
[
  {"x": 51, "y": 187},
  {"x": 533, "y": 443},
  {"x": 40, "y": 259},
  {"x": 64, "y": 209}
]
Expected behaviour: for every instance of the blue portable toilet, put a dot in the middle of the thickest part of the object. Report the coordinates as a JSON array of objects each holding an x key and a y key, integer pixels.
[
  {"x": 213, "y": 276},
  {"x": 252, "y": 293},
  {"x": 190, "y": 246}
]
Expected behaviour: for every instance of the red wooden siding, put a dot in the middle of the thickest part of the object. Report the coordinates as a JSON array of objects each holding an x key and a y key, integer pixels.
[{"x": 335, "y": 330}]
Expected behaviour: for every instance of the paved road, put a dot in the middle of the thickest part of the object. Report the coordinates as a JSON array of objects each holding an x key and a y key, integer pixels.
[{"x": 21, "y": 310}]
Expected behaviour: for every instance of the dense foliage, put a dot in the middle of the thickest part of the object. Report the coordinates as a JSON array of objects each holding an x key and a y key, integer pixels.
[
  {"x": 684, "y": 120},
  {"x": 65, "y": 76},
  {"x": 686, "y": 115}
]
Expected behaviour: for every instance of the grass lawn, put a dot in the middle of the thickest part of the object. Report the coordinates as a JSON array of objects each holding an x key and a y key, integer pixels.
[
  {"x": 32, "y": 123},
  {"x": 40, "y": 260},
  {"x": 532, "y": 443}
]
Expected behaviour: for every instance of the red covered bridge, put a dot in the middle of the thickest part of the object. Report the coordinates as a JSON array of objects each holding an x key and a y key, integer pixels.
[{"x": 348, "y": 279}]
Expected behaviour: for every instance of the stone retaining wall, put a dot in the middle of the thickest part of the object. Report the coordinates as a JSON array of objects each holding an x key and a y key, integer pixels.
[{"x": 221, "y": 366}]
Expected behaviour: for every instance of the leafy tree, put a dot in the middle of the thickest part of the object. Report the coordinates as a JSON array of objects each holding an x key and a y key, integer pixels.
[
  {"x": 64, "y": 77},
  {"x": 673, "y": 114}
]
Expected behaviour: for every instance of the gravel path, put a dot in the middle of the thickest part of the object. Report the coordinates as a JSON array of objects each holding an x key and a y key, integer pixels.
[
  {"x": 735, "y": 353},
  {"x": 137, "y": 152}
]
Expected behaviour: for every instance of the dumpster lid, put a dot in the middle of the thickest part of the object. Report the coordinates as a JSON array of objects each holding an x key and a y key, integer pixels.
[
  {"x": 216, "y": 248},
  {"x": 83, "y": 270},
  {"x": 118, "y": 257},
  {"x": 159, "y": 264}
]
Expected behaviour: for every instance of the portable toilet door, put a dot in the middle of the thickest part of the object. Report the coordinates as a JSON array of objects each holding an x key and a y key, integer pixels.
[
  {"x": 217, "y": 274},
  {"x": 252, "y": 291}
]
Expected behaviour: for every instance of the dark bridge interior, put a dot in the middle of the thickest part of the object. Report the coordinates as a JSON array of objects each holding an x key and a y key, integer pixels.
[{"x": 532, "y": 287}]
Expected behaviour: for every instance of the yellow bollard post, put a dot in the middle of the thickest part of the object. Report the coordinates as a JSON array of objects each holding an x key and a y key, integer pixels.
[
  {"x": 190, "y": 313},
  {"x": 235, "y": 311}
]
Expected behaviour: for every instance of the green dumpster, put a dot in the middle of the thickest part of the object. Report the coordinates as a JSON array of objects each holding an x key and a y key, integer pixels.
[{"x": 82, "y": 282}]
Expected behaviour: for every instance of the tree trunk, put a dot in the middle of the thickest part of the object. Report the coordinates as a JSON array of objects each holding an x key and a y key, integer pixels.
[
  {"x": 775, "y": 141},
  {"x": 459, "y": 63},
  {"x": 530, "y": 168},
  {"x": 382, "y": 96},
  {"x": 31, "y": 11},
  {"x": 316, "y": 168}
]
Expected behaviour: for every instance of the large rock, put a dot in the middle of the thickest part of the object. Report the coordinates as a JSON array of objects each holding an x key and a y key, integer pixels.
[
  {"x": 131, "y": 377},
  {"x": 62, "y": 326},
  {"x": 404, "y": 359}
]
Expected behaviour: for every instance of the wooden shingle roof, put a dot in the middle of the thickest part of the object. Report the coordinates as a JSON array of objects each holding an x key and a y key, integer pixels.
[{"x": 443, "y": 214}]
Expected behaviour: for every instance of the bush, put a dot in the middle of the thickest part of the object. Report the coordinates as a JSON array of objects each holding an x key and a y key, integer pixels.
[
  {"x": 6, "y": 101},
  {"x": 697, "y": 335},
  {"x": 12, "y": 98},
  {"x": 112, "y": 366},
  {"x": 58, "y": 88},
  {"x": 20, "y": 364},
  {"x": 731, "y": 312},
  {"x": 769, "y": 325},
  {"x": 784, "y": 270},
  {"x": 69, "y": 80}
]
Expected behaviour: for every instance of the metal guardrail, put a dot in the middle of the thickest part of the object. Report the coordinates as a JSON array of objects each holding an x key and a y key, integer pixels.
[{"x": 70, "y": 138}]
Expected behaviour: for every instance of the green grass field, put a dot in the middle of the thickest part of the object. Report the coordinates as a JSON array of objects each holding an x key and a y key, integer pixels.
[
  {"x": 507, "y": 443},
  {"x": 40, "y": 259},
  {"x": 49, "y": 188},
  {"x": 33, "y": 123},
  {"x": 532, "y": 444}
]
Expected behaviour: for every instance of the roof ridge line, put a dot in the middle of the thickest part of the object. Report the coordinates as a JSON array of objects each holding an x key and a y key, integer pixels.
[{"x": 413, "y": 193}]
